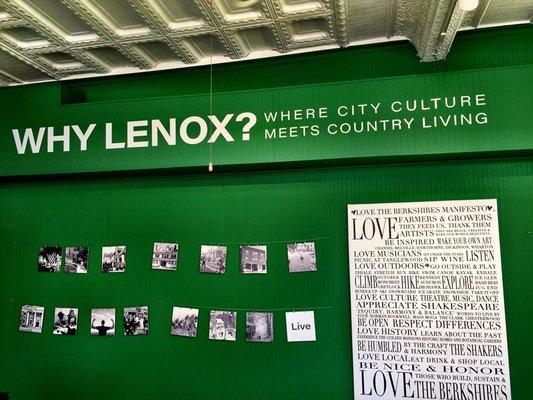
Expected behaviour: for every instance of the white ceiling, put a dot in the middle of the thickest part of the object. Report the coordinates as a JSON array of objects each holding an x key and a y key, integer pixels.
[{"x": 43, "y": 40}]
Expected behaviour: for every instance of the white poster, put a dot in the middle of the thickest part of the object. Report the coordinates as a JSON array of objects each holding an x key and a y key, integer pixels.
[
  {"x": 428, "y": 317},
  {"x": 300, "y": 326}
]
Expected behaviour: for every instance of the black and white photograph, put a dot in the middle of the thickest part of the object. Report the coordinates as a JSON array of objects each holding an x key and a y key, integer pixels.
[
  {"x": 136, "y": 321},
  {"x": 76, "y": 260},
  {"x": 103, "y": 322},
  {"x": 31, "y": 319},
  {"x": 213, "y": 259},
  {"x": 184, "y": 321},
  {"x": 259, "y": 327},
  {"x": 165, "y": 256},
  {"x": 113, "y": 259},
  {"x": 302, "y": 257},
  {"x": 253, "y": 259},
  {"x": 223, "y": 325},
  {"x": 49, "y": 259},
  {"x": 65, "y": 321}
]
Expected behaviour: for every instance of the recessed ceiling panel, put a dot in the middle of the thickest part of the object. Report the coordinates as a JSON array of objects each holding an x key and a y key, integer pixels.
[
  {"x": 24, "y": 38},
  {"x": 240, "y": 10},
  {"x": 309, "y": 30},
  {"x": 61, "y": 61},
  {"x": 206, "y": 46},
  {"x": 299, "y": 6},
  {"x": 178, "y": 15},
  {"x": 158, "y": 51},
  {"x": 120, "y": 16},
  {"x": 19, "y": 69},
  {"x": 111, "y": 57},
  {"x": 257, "y": 39},
  {"x": 60, "y": 17}
]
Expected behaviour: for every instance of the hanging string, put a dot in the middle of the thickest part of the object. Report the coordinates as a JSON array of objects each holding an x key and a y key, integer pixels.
[
  {"x": 179, "y": 242},
  {"x": 210, "y": 165}
]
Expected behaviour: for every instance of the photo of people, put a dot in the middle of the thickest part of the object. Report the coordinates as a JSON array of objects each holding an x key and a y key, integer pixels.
[
  {"x": 259, "y": 327},
  {"x": 135, "y": 321},
  {"x": 213, "y": 259},
  {"x": 253, "y": 259},
  {"x": 113, "y": 259},
  {"x": 31, "y": 319},
  {"x": 165, "y": 256},
  {"x": 184, "y": 321},
  {"x": 222, "y": 325},
  {"x": 76, "y": 260},
  {"x": 49, "y": 259},
  {"x": 301, "y": 257},
  {"x": 103, "y": 322},
  {"x": 65, "y": 321}
]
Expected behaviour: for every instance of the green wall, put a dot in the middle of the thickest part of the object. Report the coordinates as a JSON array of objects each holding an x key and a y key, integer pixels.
[
  {"x": 246, "y": 206},
  {"x": 237, "y": 209}
]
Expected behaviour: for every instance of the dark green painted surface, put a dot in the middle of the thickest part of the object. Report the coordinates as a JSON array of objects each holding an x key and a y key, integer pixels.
[
  {"x": 254, "y": 208},
  {"x": 245, "y": 208},
  {"x": 507, "y": 87}
]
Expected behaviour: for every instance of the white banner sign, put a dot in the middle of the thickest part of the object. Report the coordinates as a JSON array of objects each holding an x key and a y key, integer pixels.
[{"x": 428, "y": 317}]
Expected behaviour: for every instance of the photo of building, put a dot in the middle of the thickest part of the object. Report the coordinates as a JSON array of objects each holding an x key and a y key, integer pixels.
[
  {"x": 253, "y": 259},
  {"x": 31, "y": 319},
  {"x": 113, "y": 259},
  {"x": 213, "y": 259},
  {"x": 165, "y": 256}
]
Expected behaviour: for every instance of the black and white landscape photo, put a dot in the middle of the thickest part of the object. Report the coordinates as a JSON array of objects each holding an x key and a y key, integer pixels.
[
  {"x": 223, "y": 325},
  {"x": 213, "y": 259},
  {"x": 301, "y": 257},
  {"x": 253, "y": 259},
  {"x": 113, "y": 259},
  {"x": 165, "y": 256},
  {"x": 136, "y": 321},
  {"x": 259, "y": 327},
  {"x": 49, "y": 259},
  {"x": 76, "y": 260},
  {"x": 31, "y": 319},
  {"x": 184, "y": 321},
  {"x": 65, "y": 321},
  {"x": 103, "y": 322}
]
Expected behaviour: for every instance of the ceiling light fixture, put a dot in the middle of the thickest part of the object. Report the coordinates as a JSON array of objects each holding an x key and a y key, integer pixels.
[{"x": 468, "y": 5}]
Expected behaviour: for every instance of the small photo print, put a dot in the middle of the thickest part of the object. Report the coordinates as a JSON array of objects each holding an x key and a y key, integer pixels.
[
  {"x": 31, "y": 319},
  {"x": 253, "y": 259},
  {"x": 113, "y": 259},
  {"x": 259, "y": 327},
  {"x": 213, "y": 259},
  {"x": 65, "y": 321},
  {"x": 136, "y": 321},
  {"x": 301, "y": 257},
  {"x": 165, "y": 256},
  {"x": 76, "y": 260},
  {"x": 184, "y": 321},
  {"x": 49, "y": 259},
  {"x": 223, "y": 325},
  {"x": 103, "y": 322}
]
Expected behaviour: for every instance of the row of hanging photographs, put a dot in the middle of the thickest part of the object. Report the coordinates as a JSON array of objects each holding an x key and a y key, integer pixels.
[
  {"x": 222, "y": 324},
  {"x": 253, "y": 259}
]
